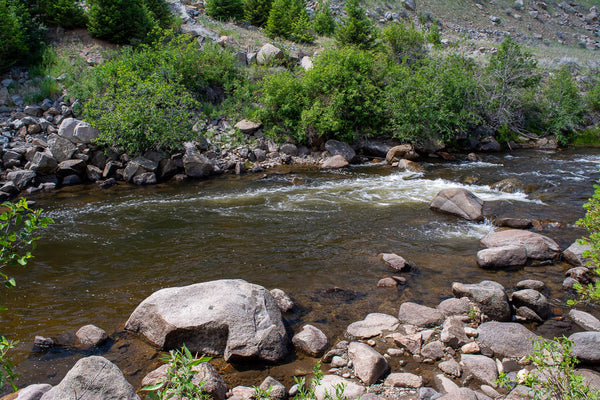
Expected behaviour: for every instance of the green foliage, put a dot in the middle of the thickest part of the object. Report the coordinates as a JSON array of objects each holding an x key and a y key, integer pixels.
[
  {"x": 434, "y": 36},
  {"x": 66, "y": 13},
  {"x": 21, "y": 38},
  {"x": 288, "y": 19},
  {"x": 593, "y": 96},
  {"x": 404, "y": 43},
  {"x": 119, "y": 21},
  {"x": 307, "y": 392},
  {"x": 324, "y": 24},
  {"x": 147, "y": 98},
  {"x": 225, "y": 9},
  {"x": 257, "y": 12},
  {"x": 160, "y": 12},
  {"x": 180, "y": 375},
  {"x": 356, "y": 29},
  {"x": 436, "y": 99},
  {"x": 18, "y": 226},
  {"x": 554, "y": 376},
  {"x": 563, "y": 108},
  {"x": 509, "y": 74}
]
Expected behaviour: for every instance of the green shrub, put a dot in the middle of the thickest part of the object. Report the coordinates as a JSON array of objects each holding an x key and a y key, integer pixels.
[
  {"x": 288, "y": 19},
  {"x": 434, "y": 36},
  {"x": 119, "y": 21},
  {"x": 509, "y": 74},
  {"x": 593, "y": 96},
  {"x": 257, "y": 12},
  {"x": 404, "y": 43},
  {"x": 562, "y": 105},
  {"x": 66, "y": 13},
  {"x": 20, "y": 36},
  {"x": 225, "y": 9},
  {"x": 356, "y": 29},
  {"x": 324, "y": 24},
  {"x": 160, "y": 12}
]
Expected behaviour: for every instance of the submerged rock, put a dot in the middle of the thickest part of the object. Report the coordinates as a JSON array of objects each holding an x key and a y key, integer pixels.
[{"x": 229, "y": 317}]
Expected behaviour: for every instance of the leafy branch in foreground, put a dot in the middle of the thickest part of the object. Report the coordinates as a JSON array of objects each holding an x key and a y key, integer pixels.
[
  {"x": 554, "y": 376},
  {"x": 18, "y": 224}
]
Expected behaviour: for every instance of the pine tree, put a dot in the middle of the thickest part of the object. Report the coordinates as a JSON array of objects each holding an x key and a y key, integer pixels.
[
  {"x": 301, "y": 28},
  {"x": 324, "y": 24},
  {"x": 256, "y": 12},
  {"x": 160, "y": 12},
  {"x": 289, "y": 20},
  {"x": 279, "y": 22},
  {"x": 66, "y": 13},
  {"x": 118, "y": 21},
  {"x": 356, "y": 29},
  {"x": 225, "y": 9}
]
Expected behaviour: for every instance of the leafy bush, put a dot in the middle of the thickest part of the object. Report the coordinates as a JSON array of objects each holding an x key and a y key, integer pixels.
[
  {"x": 147, "y": 98},
  {"x": 225, "y": 9},
  {"x": 563, "y": 108},
  {"x": 179, "y": 381},
  {"x": 509, "y": 74},
  {"x": 356, "y": 29},
  {"x": 257, "y": 12},
  {"x": 434, "y": 36},
  {"x": 160, "y": 12},
  {"x": 66, "y": 13},
  {"x": 404, "y": 43},
  {"x": 324, "y": 24},
  {"x": 119, "y": 21},
  {"x": 20, "y": 37},
  {"x": 554, "y": 376},
  {"x": 593, "y": 96}
]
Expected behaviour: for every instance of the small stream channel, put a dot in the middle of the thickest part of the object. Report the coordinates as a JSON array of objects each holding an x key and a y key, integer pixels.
[{"x": 304, "y": 231}]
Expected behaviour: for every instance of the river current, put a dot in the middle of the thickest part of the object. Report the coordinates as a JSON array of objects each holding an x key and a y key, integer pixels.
[{"x": 305, "y": 231}]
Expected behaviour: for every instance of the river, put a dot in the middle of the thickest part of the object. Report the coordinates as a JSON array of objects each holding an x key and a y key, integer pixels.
[{"x": 302, "y": 230}]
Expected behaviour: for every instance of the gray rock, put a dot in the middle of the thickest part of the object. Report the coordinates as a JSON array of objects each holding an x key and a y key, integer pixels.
[
  {"x": 284, "y": 302},
  {"x": 506, "y": 339},
  {"x": 539, "y": 247},
  {"x": 21, "y": 178},
  {"x": 93, "y": 173},
  {"x": 373, "y": 325},
  {"x": 419, "y": 315},
  {"x": 71, "y": 180},
  {"x": 586, "y": 346},
  {"x": 530, "y": 284},
  {"x": 427, "y": 393},
  {"x": 376, "y": 149},
  {"x": 532, "y": 299},
  {"x": 92, "y": 377},
  {"x": 459, "y": 202},
  {"x": 67, "y": 128},
  {"x": 327, "y": 387},
  {"x": 403, "y": 151},
  {"x": 409, "y": 4},
  {"x": 574, "y": 254},
  {"x": 196, "y": 165},
  {"x": 91, "y": 335},
  {"x": 289, "y": 148},
  {"x": 585, "y": 320},
  {"x": 453, "y": 333},
  {"x": 581, "y": 274},
  {"x": 403, "y": 380},
  {"x": 62, "y": 149},
  {"x": 433, "y": 350},
  {"x": 71, "y": 167},
  {"x": 43, "y": 163},
  {"x": 411, "y": 342},
  {"x": 395, "y": 262},
  {"x": 516, "y": 223},
  {"x": 510, "y": 185},
  {"x": 269, "y": 54},
  {"x": 111, "y": 168},
  {"x": 275, "y": 388},
  {"x": 445, "y": 385},
  {"x": 590, "y": 378},
  {"x": 84, "y": 133},
  {"x": 233, "y": 318},
  {"x": 451, "y": 367},
  {"x": 489, "y": 296},
  {"x": 33, "y": 392},
  {"x": 481, "y": 367},
  {"x": 248, "y": 127},
  {"x": 147, "y": 178},
  {"x": 502, "y": 257},
  {"x": 368, "y": 364},
  {"x": 138, "y": 166},
  {"x": 212, "y": 383},
  {"x": 335, "y": 162},
  {"x": 527, "y": 315},
  {"x": 311, "y": 341},
  {"x": 337, "y": 148},
  {"x": 454, "y": 306}
]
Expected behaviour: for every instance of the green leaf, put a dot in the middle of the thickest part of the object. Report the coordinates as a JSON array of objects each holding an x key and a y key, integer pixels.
[{"x": 150, "y": 388}]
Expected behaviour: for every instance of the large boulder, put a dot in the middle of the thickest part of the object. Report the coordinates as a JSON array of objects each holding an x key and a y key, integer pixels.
[
  {"x": 403, "y": 151},
  {"x": 139, "y": 166},
  {"x": 481, "y": 367},
  {"x": 335, "y": 162},
  {"x": 92, "y": 377},
  {"x": 532, "y": 299},
  {"x": 502, "y": 257},
  {"x": 61, "y": 148},
  {"x": 489, "y": 296},
  {"x": 585, "y": 320},
  {"x": 539, "y": 247},
  {"x": 43, "y": 163},
  {"x": 196, "y": 165},
  {"x": 337, "y": 148},
  {"x": 586, "y": 346},
  {"x": 453, "y": 333},
  {"x": 269, "y": 54},
  {"x": 369, "y": 365},
  {"x": 574, "y": 254},
  {"x": 85, "y": 133},
  {"x": 373, "y": 325},
  {"x": 459, "y": 202},
  {"x": 229, "y": 317},
  {"x": 419, "y": 315},
  {"x": 203, "y": 373},
  {"x": 21, "y": 178},
  {"x": 506, "y": 339},
  {"x": 32, "y": 392}
]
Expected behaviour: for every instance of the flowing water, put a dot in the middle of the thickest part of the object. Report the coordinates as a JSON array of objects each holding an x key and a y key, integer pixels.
[{"x": 304, "y": 231}]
